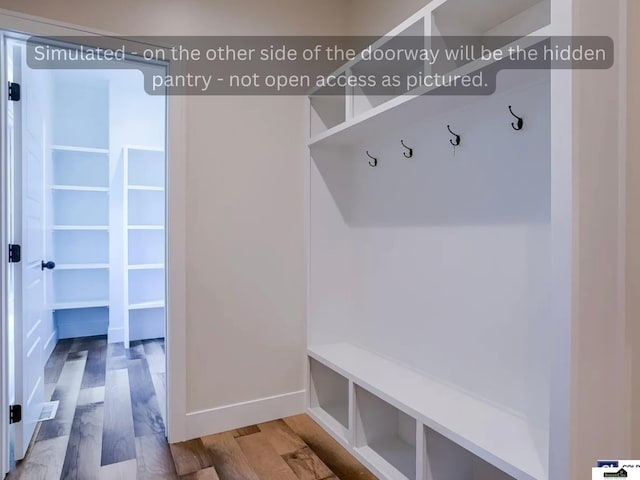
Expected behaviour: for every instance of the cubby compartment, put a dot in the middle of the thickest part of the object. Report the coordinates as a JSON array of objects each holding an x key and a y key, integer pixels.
[
  {"x": 328, "y": 109},
  {"x": 146, "y": 323},
  {"x": 146, "y": 167},
  {"x": 412, "y": 39},
  {"x": 385, "y": 436},
  {"x": 81, "y": 246},
  {"x": 146, "y": 287},
  {"x": 80, "y": 168},
  {"x": 146, "y": 207},
  {"x": 446, "y": 460},
  {"x": 146, "y": 247},
  {"x": 494, "y": 23},
  {"x": 329, "y": 395},
  {"x": 84, "y": 208},
  {"x": 83, "y": 287}
]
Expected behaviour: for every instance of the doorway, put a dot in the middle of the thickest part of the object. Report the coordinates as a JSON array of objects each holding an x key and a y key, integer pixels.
[{"x": 87, "y": 297}]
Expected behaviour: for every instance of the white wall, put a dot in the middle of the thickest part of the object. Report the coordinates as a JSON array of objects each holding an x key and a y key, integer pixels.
[
  {"x": 442, "y": 262},
  {"x": 377, "y": 17},
  {"x": 245, "y": 218}
]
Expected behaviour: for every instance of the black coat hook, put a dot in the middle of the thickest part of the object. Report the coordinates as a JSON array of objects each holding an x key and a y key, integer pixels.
[
  {"x": 455, "y": 142},
  {"x": 375, "y": 160},
  {"x": 408, "y": 154},
  {"x": 519, "y": 124}
]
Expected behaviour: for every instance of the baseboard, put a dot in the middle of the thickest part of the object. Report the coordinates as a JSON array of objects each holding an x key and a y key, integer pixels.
[
  {"x": 228, "y": 417},
  {"x": 116, "y": 335}
]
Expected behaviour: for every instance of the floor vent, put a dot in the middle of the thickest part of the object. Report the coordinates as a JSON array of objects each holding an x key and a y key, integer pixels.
[{"x": 49, "y": 410}]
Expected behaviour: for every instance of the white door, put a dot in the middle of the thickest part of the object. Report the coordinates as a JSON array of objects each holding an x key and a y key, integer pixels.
[{"x": 30, "y": 300}]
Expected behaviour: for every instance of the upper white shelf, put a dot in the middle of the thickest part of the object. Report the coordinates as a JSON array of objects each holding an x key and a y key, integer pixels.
[
  {"x": 151, "y": 188},
  {"x": 79, "y": 188},
  {"x": 146, "y": 266},
  {"x": 87, "y": 304},
  {"x": 496, "y": 435},
  {"x": 80, "y": 227},
  {"x": 82, "y": 266},
  {"x": 70, "y": 148},
  {"x": 144, "y": 305},
  {"x": 146, "y": 227}
]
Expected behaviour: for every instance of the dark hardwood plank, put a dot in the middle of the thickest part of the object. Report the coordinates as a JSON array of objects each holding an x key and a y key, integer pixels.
[
  {"x": 82, "y": 460},
  {"x": 118, "y": 438},
  {"x": 56, "y": 361},
  {"x": 228, "y": 459},
  {"x": 281, "y": 437},
  {"x": 160, "y": 387},
  {"x": 135, "y": 351},
  {"x": 82, "y": 344},
  {"x": 66, "y": 392},
  {"x": 191, "y": 456},
  {"x": 147, "y": 419},
  {"x": 116, "y": 356},
  {"x": 206, "y": 474},
  {"x": 94, "y": 372},
  {"x": 119, "y": 471},
  {"x": 44, "y": 461},
  {"x": 334, "y": 456},
  {"x": 264, "y": 459},
  {"x": 154, "y": 458},
  {"x": 241, "y": 432},
  {"x": 306, "y": 465},
  {"x": 91, "y": 395}
]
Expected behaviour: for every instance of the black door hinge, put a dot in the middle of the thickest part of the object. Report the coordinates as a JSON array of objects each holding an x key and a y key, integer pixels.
[
  {"x": 14, "y": 91},
  {"x": 14, "y": 253},
  {"x": 15, "y": 413}
]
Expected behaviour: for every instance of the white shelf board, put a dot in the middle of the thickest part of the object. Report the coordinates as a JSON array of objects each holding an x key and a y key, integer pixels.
[
  {"x": 392, "y": 451},
  {"x": 146, "y": 266},
  {"x": 70, "y": 148},
  {"x": 149, "y": 188},
  {"x": 326, "y": 417},
  {"x": 82, "y": 266},
  {"x": 80, "y": 227},
  {"x": 88, "y": 304},
  {"x": 422, "y": 104},
  {"x": 79, "y": 188},
  {"x": 145, "y": 227},
  {"x": 496, "y": 435},
  {"x": 143, "y": 305}
]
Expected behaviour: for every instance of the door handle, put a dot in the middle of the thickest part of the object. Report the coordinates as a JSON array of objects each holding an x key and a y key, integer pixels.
[{"x": 48, "y": 265}]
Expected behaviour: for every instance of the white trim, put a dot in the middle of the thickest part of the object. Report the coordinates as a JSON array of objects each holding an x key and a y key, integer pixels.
[
  {"x": 221, "y": 419},
  {"x": 176, "y": 224},
  {"x": 116, "y": 334}
]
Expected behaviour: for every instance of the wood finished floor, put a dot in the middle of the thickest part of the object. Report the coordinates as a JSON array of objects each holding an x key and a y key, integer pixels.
[
  {"x": 110, "y": 421},
  {"x": 110, "y": 426},
  {"x": 293, "y": 448}
]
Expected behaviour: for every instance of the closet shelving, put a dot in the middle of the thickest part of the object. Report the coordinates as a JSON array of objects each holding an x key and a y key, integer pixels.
[
  {"x": 432, "y": 251},
  {"x": 355, "y": 115},
  {"x": 144, "y": 217},
  {"x": 80, "y": 204}
]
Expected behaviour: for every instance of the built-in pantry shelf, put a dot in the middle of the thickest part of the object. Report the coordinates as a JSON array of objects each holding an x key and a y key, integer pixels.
[
  {"x": 147, "y": 266},
  {"x": 146, "y": 227},
  {"x": 493, "y": 434},
  {"x": 83, "y": 304},
  {"x": 80, "y": 227},
  {"x": 79, "y": 188},
  {"x": 149, "y": 188},
  {"x": 81, "y": 266},
  {"x": 144, "y": 305},
  {"x": 71, "y": 148}
]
